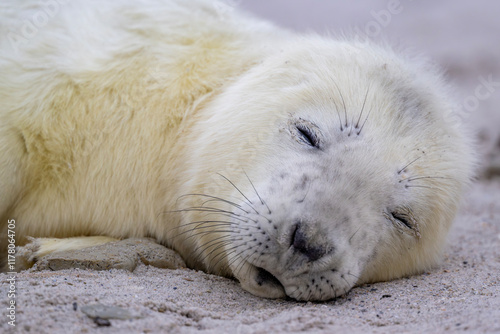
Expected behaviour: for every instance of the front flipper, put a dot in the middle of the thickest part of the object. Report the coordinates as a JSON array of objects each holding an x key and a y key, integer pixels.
[
  {"x": 37, "y": 248},
  {"x": 97, "y": 253}
]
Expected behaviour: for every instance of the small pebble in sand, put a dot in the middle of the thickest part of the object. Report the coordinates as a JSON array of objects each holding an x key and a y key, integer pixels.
[{"x": 102, "y": 322}]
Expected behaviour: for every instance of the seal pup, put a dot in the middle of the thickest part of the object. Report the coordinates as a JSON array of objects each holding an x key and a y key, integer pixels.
[{"x": 298, "y": 164}]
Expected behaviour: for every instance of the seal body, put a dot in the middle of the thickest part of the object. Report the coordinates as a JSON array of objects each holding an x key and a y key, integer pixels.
[{"x": 300, "y": 165}]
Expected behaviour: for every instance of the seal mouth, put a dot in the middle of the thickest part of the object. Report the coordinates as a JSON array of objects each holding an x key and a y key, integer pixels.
[{"x": 265, "y": 278}]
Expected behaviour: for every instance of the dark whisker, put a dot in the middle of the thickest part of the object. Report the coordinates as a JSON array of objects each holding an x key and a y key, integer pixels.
[
  {"x": 217, "y": 242},
  {"x": 357, "y": 277},
  {"x": 415, "y": 186},
  {"x": 257, "y": 193},
  {"x": 226, "y": 237},
  {"x": 425, "y": 177},
  {"x": 352, "y": 236},
  {"x": 333, "y": 290},
  {"x": 232, "y": 216},
  {"x": 206, "y": 209},
  {"x": 366, "y": 119},
  {"x": 235, "y": 258},
  {"x": 218, "y": 245},
  {"x": 363, "y": 107},
  {"x": 225, "y": 255},
  {"x": 211, "y": 243},
  {"x": 229, "y": 251},
  {"x": 245, "y": 260},
  {"x": 338, "y": 114},
  {"x": 235, "y": 187},
  {"x": 207, "y": 232},
  {"x": 201, "y": 222},
  {"x": 402, "y": 169},
  {"x": 343, "y": 102},
  {"x": 203, "y": 225},
  {"x": 185, "y": 232},
  {"x": 210, "y": 224},
  {"x": 215, "y": 198}
]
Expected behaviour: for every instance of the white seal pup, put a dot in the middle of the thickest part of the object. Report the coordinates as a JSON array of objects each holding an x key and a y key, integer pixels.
[{"x": 298, "y": 164}]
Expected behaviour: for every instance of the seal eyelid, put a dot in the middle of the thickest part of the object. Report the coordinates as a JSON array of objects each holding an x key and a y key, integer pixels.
[
  {"x": 404, "y": 220},
  {"x": 401, "y": 218},
  {"x": 307, "y": 135}
]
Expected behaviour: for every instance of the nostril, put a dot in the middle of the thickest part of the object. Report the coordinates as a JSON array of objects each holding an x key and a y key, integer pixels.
[
  {"x": 299, "y": 239},
  {"x": 302, "y": 245}
]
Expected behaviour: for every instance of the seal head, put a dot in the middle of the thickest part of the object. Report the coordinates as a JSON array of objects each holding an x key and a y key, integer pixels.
[{"x": 343, "y": 171}]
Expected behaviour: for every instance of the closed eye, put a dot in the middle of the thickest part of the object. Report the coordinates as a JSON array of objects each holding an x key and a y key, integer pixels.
[
  {"x": 401, "y": 219},
  {"x": 307, "y": 135},
  {"x": 404, "y": 219}
]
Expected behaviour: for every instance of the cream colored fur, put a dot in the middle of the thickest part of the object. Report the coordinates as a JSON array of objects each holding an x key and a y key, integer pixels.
[
  {"x": 90, "y": 112},
  {"x": 115, "y": 110}
]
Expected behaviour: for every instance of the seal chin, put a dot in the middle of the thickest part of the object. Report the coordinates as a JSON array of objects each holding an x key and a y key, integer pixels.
[{"x": 260, "y": 282}]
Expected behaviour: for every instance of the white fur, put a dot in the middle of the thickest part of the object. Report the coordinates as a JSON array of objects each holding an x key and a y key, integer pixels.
[{"x": 113, "y": 111}]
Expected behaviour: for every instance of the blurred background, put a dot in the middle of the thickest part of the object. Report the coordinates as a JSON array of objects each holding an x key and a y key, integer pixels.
[{"x": 462, "y": 36}]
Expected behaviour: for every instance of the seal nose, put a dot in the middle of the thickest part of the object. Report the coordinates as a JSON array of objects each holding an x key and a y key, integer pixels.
[{"x": 302, "y": 245}]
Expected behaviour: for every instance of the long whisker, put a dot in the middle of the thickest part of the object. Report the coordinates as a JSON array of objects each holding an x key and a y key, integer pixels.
[
  {"x": 343, "y": 102},
  {"x": 235, "y": 187},
  {"x": 200, "y": 222},
  {"x": 208, "y": 232},
  {"x": 229, "y": 251},
  {"x": 245, "y": 260},
  {"x": 224, "y": 240},
  {"x": 425, "y": 177},
  {"x": 215, "y": 198},
  {"x": 209, "y": 224},
  {"x": 363, "y": 107},
  {"x": 415, "y": 186},
  {"x": 218, "y": 200},
  {"x": 366, "y": 119},
  {"x": 257, "y": 193},
  {"x": 218, "y": 245},
  {"x": 245, "y": 219},
  {"x": 352, "y": 236},
  {"x": 338, "y": 114},
  {"x": 402, "y": 169},
  {"x": 223, "y": 255},
  {"x": 206, "y": 209}
]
